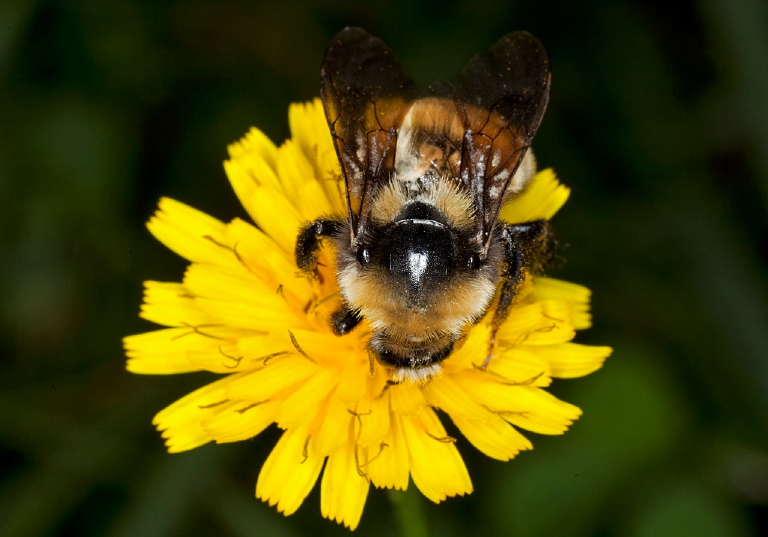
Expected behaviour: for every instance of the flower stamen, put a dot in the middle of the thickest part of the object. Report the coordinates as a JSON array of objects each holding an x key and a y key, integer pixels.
[
  {"x": 212, "y": 405},
  {"x": 323, "y": 300},
  {"x": 387, "y": 386},
  {"x": 359, "y": 417},
  {"x": 217, "y": 243},
  {"x": 236, "y": 359},
  {"x": 253, "y": 405},
  {"x": 359, "y": 467},
  {"x": 196, "y": 330},
  {"x": 299, "y": 349},
  {"x": 381, "y": 451},
  {"x": 442, "y": 439},
  {"x": 268, "y": 357}
]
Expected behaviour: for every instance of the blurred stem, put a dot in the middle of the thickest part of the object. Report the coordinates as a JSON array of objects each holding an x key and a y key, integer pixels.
[{"x": 409, "y": 510}]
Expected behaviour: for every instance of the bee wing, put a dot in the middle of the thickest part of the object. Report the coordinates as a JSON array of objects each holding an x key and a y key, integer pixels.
[
  {"x": 365, "y": 93},
  {"x": 501, "y": 96}
]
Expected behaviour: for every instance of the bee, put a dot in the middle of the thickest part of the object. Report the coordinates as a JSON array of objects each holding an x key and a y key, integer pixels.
[{"x": 422, "y": 254}]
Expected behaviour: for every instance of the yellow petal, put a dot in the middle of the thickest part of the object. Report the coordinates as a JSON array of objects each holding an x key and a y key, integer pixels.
[
  {"x": 170, "y": 304},
  {"x": 268, "y": 262},
  {"x": 294, "y": 171},
  {"x": 244, "y": 354},
  {"x": 162, "y": 352},
  {"x": 570, "y": 360},
  {"x": 446, "y": 394},
  {"x": 251, "y": 316},
  {"x": 231, "y": 285},
  {"x": 247, "y": 175},
  {"x": 289, "y": 472},
  {"x": 253, "y": 165},
  {"x": 190, "y": 233},
  {"x": 278, "y": 374},
  {"x": 181, "y": 422},
  {"x": 407, "y": 399},
  {"x": 542, "y": 199},
  {"x": 577, "y": 295},
  {"x": 276, "y": 216},
  {"x": 540, "y": 323},
  {"x": 541, "y": 412},
  {"x": 241, "y": 421},
  {"x": 389, "y": 463},
  {"x": 303, "y": 404},
  {"x": 343, "y": 490},
  {"x": 313, "y": 202},
  {"x": 310, "y": 131},
  {"x": 333, "y": 428},
  {"x": 254, "y": 142},
  {"x": 263, "y": 347},
  {"x": 353, "y": 377},
  {"x": 223, "y": 358},
  {"x": 173, "y": 350},
  {"x": 525, "y": 406},
  {"x": 373, "y": 419},
  {"x": 492, "y": 436},
  {"x": 436, "y": 466},
  {"x": 323, "y": 347},
  {"x": 516, "y": 366}
]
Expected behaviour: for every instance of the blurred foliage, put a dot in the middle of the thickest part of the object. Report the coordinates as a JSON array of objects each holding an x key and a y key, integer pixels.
[{"x": 658, "y": 121}]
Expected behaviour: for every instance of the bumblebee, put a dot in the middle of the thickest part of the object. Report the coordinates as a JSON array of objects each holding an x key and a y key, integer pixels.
[{"x": 422, "y": 254}]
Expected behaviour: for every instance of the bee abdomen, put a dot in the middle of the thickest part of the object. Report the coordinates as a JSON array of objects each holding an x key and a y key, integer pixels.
[{"x": 389, "y": 355}]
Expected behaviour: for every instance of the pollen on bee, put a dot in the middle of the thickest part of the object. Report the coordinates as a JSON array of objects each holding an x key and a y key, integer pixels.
[{"x": 417, "y": 375}]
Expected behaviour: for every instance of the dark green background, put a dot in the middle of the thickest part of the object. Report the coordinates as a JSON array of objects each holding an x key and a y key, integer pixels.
[{"x": 658, "y": 121}]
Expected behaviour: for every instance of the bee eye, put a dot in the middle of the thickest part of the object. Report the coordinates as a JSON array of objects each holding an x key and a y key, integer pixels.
[
  {"x": 363, "y": 255},
  {"x": 473, "y": 262}
]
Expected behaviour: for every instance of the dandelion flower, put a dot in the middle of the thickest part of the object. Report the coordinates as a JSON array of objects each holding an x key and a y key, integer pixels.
[{"x": 244, "y": 311}]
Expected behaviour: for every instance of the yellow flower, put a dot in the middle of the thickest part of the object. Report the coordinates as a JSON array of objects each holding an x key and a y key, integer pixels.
[{"x": 244, "y": 311}]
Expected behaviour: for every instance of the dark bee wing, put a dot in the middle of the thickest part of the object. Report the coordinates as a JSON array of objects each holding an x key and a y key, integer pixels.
[
  {"x": 501, "y": 96},
  {"x": 365, "y": 93}
]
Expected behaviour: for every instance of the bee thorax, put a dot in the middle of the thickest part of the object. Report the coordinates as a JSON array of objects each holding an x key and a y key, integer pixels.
[{"x": 420, "y": 254}]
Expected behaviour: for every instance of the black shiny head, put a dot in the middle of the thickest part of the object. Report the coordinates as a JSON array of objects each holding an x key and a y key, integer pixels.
[{"x": 419, "y": 252}]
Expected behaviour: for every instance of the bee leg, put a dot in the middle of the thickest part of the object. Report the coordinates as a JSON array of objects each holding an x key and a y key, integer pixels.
[
  {"x": 345, "y": 320},
  {"x": 538, "y": 242},
  {"x": 308, "y": 242},
  {"x": 527, "y": 247}
]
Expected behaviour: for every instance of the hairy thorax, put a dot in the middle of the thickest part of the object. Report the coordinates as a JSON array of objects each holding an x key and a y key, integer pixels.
[{"x": 433, "y": 310}]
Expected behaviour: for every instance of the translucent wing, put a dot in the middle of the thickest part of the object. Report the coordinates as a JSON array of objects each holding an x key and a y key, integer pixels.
[
  {"x": 500, "y": 96},
  {"x": 365, "y": 93}
]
